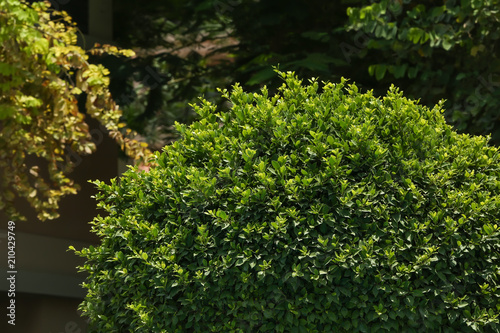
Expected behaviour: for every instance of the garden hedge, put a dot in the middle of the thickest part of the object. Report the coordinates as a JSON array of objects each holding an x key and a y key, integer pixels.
[{"x": 318, "y": 209}]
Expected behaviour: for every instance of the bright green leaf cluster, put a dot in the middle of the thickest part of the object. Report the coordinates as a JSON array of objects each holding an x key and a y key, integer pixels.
[{"x": 318, "y": 209}]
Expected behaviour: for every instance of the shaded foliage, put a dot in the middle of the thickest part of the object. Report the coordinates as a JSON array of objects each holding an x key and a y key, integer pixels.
[
  {"x": 199, "y": 45},
  {"x": 438, "y": 50},
  {"x": 434, "y": 50}
]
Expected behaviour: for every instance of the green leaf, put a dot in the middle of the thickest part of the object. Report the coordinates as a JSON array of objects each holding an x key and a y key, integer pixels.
[
  {"x": 316, "y": 35},
  {"x": 6, "y": 111},
  {"x": 399, "y": 71},
  {"x": 317, "y": 62},
  {"x": 7, "y": 69},
  {"x": 447, "y": 43},
  {"x": 261, "y": 76},
  {"x": 380, "y": 71},
  {"x": 412, "y": 72}
]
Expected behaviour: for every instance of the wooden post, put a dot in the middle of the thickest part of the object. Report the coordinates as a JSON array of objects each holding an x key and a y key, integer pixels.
[{"x": 101, "y": 19}]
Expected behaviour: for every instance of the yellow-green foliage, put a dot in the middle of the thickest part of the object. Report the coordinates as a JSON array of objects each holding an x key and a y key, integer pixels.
[
  {"x": 309, "y": 211},
  {"x": 42, "y": 71}
]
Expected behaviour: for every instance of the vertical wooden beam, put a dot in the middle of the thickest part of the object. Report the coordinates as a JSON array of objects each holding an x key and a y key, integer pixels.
[{"x": 101, "y": 19}]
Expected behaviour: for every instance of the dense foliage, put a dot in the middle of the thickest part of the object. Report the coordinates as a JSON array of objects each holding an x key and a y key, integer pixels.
[
  {"x": 437, "y": 49},
  {"x": 42, "y": 74},
  {"x": 318, "y": 209}
]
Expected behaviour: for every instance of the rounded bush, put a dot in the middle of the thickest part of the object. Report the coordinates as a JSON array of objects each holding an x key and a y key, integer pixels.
[{"x": 313, "y": 210}]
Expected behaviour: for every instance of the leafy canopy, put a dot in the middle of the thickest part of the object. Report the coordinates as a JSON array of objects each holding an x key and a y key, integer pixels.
[
  {"x": 42, "y": 74},
  {"x": 197, "y": 46},
  {"x": 433, "y": 50},
  {"x": 436, "y": 50},
  {"x": 318, "y": 209}
]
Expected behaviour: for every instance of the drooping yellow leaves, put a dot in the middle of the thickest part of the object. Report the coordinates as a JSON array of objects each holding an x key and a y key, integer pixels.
[
  {"x": 42, "y": 70},
  {"x": 111, "y": 50}
]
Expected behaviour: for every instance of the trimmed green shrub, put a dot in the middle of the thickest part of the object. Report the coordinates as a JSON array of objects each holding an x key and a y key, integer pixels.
[{"x": 314, "y": 210}]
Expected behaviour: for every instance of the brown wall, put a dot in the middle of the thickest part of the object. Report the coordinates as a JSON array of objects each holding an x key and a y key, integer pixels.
[{"x": 48, "y": 287}]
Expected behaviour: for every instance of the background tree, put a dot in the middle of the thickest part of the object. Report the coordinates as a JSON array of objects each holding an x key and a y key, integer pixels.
[
  {"x": 434, "y": 50},
  {"x": 199, "y": 45},
  {"x": 43, "y": 75},
  {"x": 437, "y": 50}
]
